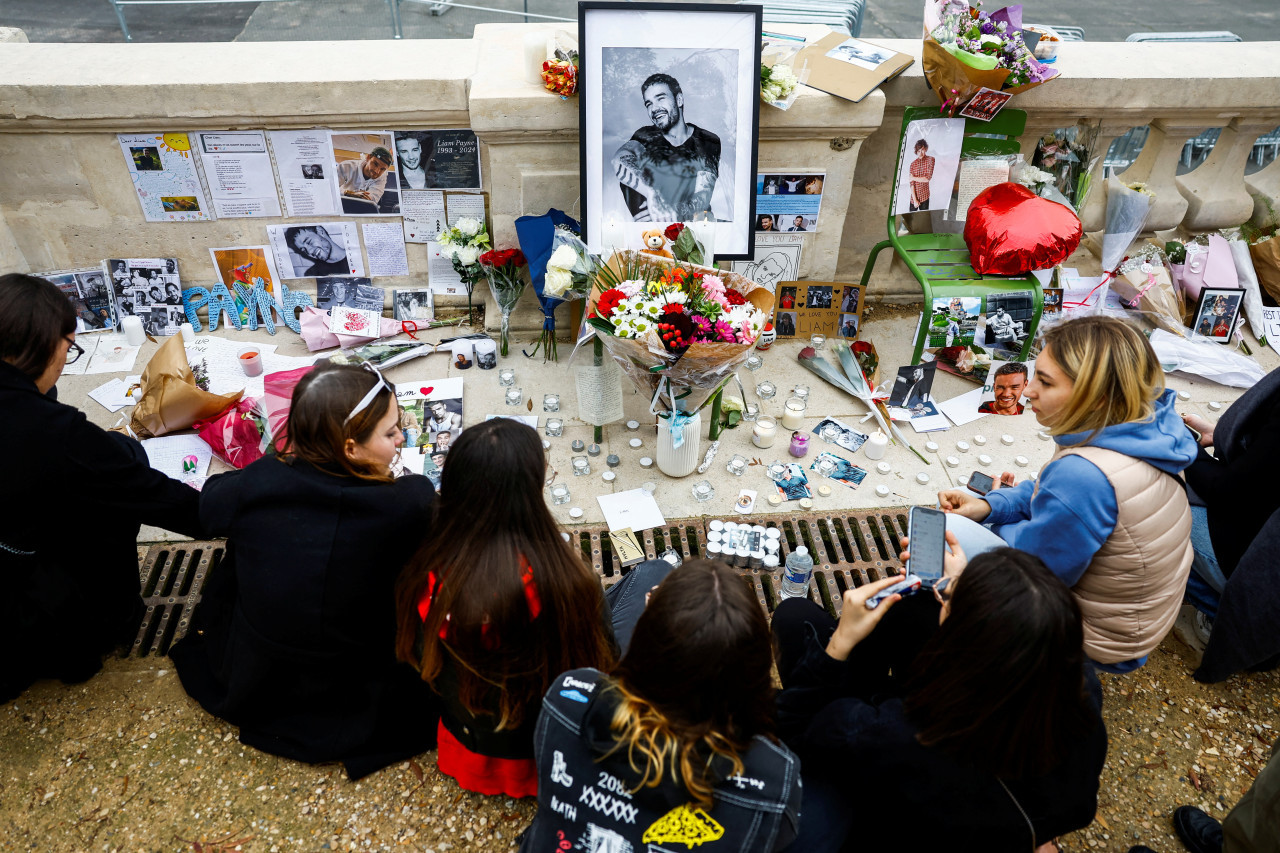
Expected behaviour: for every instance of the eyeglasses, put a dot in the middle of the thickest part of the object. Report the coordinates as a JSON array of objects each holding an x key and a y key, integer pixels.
[
  {"x": 74, "y": 352},
  {"x": 369, "y": 397},
  {"x": 942, "y": 590}
]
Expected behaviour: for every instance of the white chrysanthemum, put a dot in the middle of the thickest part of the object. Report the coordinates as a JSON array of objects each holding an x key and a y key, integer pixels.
[
  {"x": 557, "y": 282},
  {"x": 469, "y": 226}
]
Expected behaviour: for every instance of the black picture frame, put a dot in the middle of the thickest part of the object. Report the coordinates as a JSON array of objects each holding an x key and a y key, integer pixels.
[
  {"x": 686, "y": 43},
  {"x": 1207, "y": 309}
]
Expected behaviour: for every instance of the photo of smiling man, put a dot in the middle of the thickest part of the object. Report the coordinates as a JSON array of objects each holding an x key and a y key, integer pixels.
[
  {"x": 316, "y": 249},
  {"x": 1009, "y": 380}
]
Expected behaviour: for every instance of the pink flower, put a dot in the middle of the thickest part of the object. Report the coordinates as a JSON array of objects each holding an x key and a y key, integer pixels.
[
  {"x": 724, "y": 332},
  {"x": 630, "y": 288},
  {"x": 713, "y": 286}
]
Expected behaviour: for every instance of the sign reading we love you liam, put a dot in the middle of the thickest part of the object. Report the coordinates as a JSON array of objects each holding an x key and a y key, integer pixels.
[{"x": 251, "y": 307}]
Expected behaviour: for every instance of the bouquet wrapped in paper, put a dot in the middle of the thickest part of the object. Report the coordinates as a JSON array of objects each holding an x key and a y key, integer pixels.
[
  {"x": 170, "y": 399},
  {"x": 505, "y": 270},
  {"x": 967, "y": 49},
  {"x": 679, "y": 328},
  {"x": 316, "y": 333},
  {"x": 239, "y": 435},
  {"x": 1145, "y": 284}
]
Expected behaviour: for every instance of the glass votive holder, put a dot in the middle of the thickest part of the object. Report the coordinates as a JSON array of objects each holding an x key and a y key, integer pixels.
[
  {"x": 817, "y": 341},
  {"x": 506, "y": 377},
  {"x": 555, "y": 426},
  {"x": 559, "y": 494},
  {"x": 777, "y": 470},
  {"x": 826, "y": 466},
  {"x": 514, "y": 396},
  {"x": 702, "y": 491},
  {"x": 750, "y": 411},
  {"x": 737, "y": 465},
  {"x": 581, "y": 466},
  {"x": 551, "y": 403},
  {"x": 801, "y": 391},
  {"x": 754, "y": 362},
  {"x": 829, "y": 433},
  {"x": 766, "y": 390}
]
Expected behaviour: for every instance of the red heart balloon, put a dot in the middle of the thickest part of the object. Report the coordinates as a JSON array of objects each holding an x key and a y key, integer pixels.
[
  {"x": 1010, "y": 231},
  {"x": 427, "y": 390}
]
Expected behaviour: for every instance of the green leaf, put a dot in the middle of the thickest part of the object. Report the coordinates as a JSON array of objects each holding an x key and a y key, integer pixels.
[{"x": 601, "y": 324}]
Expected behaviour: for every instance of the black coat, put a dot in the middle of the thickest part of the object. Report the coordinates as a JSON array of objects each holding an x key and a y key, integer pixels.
[
  {"x": 847, "y": 723},
  {"x": 1244, "y": 524},
  {"x": 73, "y": 496},
  {"x": 294, "y": 640}
]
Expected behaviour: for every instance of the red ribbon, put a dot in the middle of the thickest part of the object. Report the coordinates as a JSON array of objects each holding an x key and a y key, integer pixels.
[{"x": 408, "y": 327}]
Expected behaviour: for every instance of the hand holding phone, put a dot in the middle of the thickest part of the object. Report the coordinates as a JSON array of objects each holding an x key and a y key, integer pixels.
[
  {"x": 981, "y": 483},
  {"x": 927, "y": 530}
]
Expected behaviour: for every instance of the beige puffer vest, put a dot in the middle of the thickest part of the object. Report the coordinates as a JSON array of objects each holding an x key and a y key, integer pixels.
[{"x": 1131, "y": 592}]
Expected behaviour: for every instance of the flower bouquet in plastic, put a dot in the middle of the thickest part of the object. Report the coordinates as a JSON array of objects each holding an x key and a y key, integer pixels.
[
  {"x": 678, "y": 331},
  {"x": 560, "y": 268},
  {"x": 505, "y": 271},
  {"x": 463, "y": 243},
  {"x": 1145, "y": 284},
  {"x": 968, "y": 49}
]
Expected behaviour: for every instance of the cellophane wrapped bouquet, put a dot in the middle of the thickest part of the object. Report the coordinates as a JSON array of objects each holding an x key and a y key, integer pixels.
[
  {"x": 689, "y": 326},
  {"x": 463, "y": 243},
  {"x": 967, "y": 49}
]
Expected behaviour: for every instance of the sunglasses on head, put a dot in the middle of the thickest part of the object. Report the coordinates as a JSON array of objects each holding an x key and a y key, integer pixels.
[{"x": 368, "y": 398}]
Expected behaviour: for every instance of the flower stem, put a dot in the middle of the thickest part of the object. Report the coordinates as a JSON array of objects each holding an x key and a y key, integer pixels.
[
  {"x": 714, "y": 431},
  {"x": 598, "y": 360}
]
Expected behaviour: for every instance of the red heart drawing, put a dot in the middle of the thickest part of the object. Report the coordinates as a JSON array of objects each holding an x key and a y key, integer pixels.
[{"x": 427, "y": 390}]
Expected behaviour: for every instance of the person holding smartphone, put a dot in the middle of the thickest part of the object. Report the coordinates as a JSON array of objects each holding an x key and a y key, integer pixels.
[
  {"x": 1109, "y": 514},
  {"x": 973, "y": 709}
]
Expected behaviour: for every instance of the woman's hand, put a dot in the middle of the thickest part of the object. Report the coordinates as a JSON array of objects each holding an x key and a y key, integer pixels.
[
  {"x": 856, "y": 621},
  {"x": 1201, "y": 426},
  {"x": 1006, "y": 480},
  {"x": 953, "y": 556},
  {"x": 964, "y": 503}
]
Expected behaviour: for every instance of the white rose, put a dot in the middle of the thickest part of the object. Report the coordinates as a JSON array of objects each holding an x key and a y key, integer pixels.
[
  {"x": 563, "y": 257},
  {"x": 468, "y": 226},
  {"x": 466, "y": 255},
  {"x": 557, "y": 282}
]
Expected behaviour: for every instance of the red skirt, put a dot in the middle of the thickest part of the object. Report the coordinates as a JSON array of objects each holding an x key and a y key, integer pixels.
[{"x": 515, "y": 777}]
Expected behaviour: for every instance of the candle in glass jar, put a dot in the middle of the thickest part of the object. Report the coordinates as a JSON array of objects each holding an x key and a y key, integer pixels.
[
  {"x": 764, "y": 432},
  {"x": 799, "y": 444},
  {"x": 877, "y": 445},
  {"x": 793, "y": 413}
]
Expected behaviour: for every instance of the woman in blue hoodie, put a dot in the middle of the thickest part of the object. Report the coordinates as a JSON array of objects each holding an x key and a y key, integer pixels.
[{"x": 1109, "y": 513}]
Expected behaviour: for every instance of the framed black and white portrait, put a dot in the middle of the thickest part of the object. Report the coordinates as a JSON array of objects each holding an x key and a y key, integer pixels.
[{"x": 669, "y": 100}]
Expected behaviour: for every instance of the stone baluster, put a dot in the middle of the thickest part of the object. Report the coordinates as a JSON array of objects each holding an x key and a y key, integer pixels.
[
  {"x": 1157, "y": 167},
  {"x": 1215, "y": 191},
  {"x": 1094, "y": 214},
  {"x": 1264, "y": 189}
]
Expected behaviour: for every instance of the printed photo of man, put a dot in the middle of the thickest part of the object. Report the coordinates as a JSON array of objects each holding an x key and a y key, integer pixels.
[
  {"x": 668, "y": 170},
  {"x": 413, "y": 168},
  {"x": 327, "y": 256},
  {"x": 1009, "y": 383},
  {"x": 365, "y": 178},
  {"x": 797, "y": 224}
]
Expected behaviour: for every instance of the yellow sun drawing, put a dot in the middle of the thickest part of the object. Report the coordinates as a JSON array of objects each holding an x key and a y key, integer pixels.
[{"x": 178, "y": 143}]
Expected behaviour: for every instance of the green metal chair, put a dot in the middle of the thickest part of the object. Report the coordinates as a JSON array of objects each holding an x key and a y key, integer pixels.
[{"x": 940, "y": 262}]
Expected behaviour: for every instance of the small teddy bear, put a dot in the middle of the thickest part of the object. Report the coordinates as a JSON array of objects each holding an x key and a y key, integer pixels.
[{"x": 655, "y": 243}]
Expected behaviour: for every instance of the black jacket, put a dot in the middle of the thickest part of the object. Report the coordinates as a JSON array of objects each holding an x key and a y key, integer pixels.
[
  {"x": 1244, "y": 525},
  {"x": 592, "y": 801},
  {"x": 71, "y": 501},
  {"x": 846, "y": 722},
  {"x": 294, "y": 640}
]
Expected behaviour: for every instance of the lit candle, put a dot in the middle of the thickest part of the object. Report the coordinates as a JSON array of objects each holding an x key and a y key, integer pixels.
[{"x": 877, "y": 445}]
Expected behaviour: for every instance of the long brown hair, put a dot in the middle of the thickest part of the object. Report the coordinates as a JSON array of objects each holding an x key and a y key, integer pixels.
[
  {"x": 1000, "y": 685},
  {"x": 34, "y": 317},
  {"x": 490, "y": 513},
  {"x": 695, "y": 682},
  {"x": 318, "y": 424}
]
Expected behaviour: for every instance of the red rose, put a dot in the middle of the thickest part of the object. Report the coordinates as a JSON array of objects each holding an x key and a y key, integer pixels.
[
  {"x": 608, "y": 301},
  {"x": 673, "y": 231},
  {"x": 488, "y": 258},
  {"x": 518, "y": 258},
  {"x": 733, "y": 297}
]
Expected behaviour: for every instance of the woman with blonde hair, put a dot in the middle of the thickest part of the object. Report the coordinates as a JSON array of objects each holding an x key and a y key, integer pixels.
[
  {"x": 1109, "y": 514},
  {"x": 676, "y": 746}
]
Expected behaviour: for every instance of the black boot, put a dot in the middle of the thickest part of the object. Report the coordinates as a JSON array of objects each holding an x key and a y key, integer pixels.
[{"x": 1199, "y": 832}]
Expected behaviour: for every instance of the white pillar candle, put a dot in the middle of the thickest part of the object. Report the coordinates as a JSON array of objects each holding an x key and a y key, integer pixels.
[
  {"x": 876, "y": 445},
  {"x": 188, "y": 333},
  {"x": 133, "y": 333}
]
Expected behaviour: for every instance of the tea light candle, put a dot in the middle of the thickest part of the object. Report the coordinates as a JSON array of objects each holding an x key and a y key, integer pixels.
[
  {"x": 551, "y": 402},
  {"x": 775, "y": 500},
  {"x": 506, "y": 377},
  {"x": 633, "y": 425},
  {"x": 575, "y": 513},
  {"x": 826, "y": 466},
  {"x": 559, "y": 494},
  {"x": 829, "y": 433},
  {"x": 882, "y": 491},
  {"x": 577, "y": 445},
  {"x": 754, "y": 363},
  {"x": 702, "y": 491},
  {"x": 806, "y": 503},
  {"x": 649, "y": 487},
  {"x": 931, "y": 446},
  {"x": 962, "y": 446},
  {"x": 764, "y": 432},
  {"x": 608, "y": 476},
  {"x": 1021, "y": 461},
  {"x": 514, "y": 396},
  {"x": 554, "y": 426},
  {"x": 825, "y": 491},
  {"x": 250, "y": 359},
  {"x": 635, "y": 444},
  {"x": 646, "y": 462},
  {"x": 953, "y": 462},
  {"x": 715, "y": 526},
  {"x": 876, "y": 445},
  {"x": 750, "y": 411},
  {"x": 801, "y": 391},
  {"x": 984, "y": 459},
  {"x": 593, "y": 450},
  {"x": 1006, "y": 440},
  {"x": 737, "y": 465},
  {"x": 884, "y": 467},
  {"x": 581, "y": 467},
  {"x": 546, "y": 445},
  {"x": 612, "y": 460},
  {"x": 817, "y": 341},
  {"x": 1215, "y": 406},
  {"x": 777, "y": 471},
  {"x": 922, "y": 478},
  {"x": 980, "y": 440},
  {"x": 1033, "y": 475},
  {"x": 1043, "y": 436},
  {"x": 1184, "y": 395},
  {"x": 766, "y": 389},
  {"x": 793, "y": 413}
]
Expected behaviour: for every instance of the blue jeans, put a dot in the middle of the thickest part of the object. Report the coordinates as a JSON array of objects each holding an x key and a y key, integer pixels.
[
  {"x": 626, "y": 598},
  {"x": 1206, "y": 581},
  {"x": 974, "y": 538}
]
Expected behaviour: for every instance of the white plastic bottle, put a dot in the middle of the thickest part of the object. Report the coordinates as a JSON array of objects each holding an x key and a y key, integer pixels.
[{"x": 796, "y": 575}]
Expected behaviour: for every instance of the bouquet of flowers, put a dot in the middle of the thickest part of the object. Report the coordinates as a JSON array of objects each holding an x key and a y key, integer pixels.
[
  {"x": 966, "y": 49},
  {"x": 681, "y": 329},
  {"x": 560, "y": 268},
  {"x": 779, "y": 82},
  {"x": 505, "y": 271},
  {"x": 1066, "y": 155},
  {"x": 464, "y": 242},
  {"x": 560, "y": 73}
]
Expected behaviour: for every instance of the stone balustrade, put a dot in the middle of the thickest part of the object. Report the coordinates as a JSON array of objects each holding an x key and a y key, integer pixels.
[{"x": 66, "y": 200}]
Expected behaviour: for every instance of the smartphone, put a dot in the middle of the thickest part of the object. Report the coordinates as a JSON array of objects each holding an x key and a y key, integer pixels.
[
  {"x": 1194, "y": 432},
  {"x": 904, "y": 587},
  {"x": 981, "y": 483},
  {"x": 927, "y": 531}
]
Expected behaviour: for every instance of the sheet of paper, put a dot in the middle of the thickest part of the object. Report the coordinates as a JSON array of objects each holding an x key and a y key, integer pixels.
[
  {"x": 218, "y": 359},
  {"x": 963, "y": 409},
  {"x": 1271, "y": 327},
  {"x": 976, "y": 176},
  {"x": 89, "y": 343},
  {"x": 776, "y": 258},
  {"x": 117, "y": 393},
  {"x": 635, "y": 509},
  {"x": 353, "y": 321},
  {"x": 599, "y": 392},
  {"x": 384, "y": 241},
  {"x": 238, "y": 167},
  {"x": 930, "y": 423},
  {"x": 182, "y": 457},
  {"x": 316, "y": 249},
  {"x": 113, "y": 355},
  {"x": 303, "y": 158},
  {"x": 788, "y": 202},
  {"x": 423, "y": 213},
  {"x": 465, "y": 204},
  {"x": 442, "y": 278},
  {"x": 164, "y": 177}
]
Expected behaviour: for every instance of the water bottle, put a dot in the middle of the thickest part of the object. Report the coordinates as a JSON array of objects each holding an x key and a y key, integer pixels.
[{"x": 796, "y": 575}]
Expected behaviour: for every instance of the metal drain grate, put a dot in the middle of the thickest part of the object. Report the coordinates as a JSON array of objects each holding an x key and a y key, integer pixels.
[
  {"x": 173, "y": 578},
  {"x": 849, "y": 550}
]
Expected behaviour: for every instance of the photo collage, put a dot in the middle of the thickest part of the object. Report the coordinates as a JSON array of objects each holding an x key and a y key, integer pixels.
[
  {"x": 149, "y": 289},
  {"x": 966, "y": 333},
  {"x": 806, "y": 308},
  {"x": 431, "y": 419}
]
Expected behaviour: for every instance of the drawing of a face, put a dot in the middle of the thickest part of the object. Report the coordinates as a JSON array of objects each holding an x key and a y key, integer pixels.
[{"x": 769, "y": 271}]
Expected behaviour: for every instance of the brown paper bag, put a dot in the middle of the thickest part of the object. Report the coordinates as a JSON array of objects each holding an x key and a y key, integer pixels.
[
  {"x": 170, "y": 399},
  {"x": 1266, "y": 263}
]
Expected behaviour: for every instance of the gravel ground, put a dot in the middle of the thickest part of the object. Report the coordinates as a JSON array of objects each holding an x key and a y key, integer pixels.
[{"x": 127, "y": 762}]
